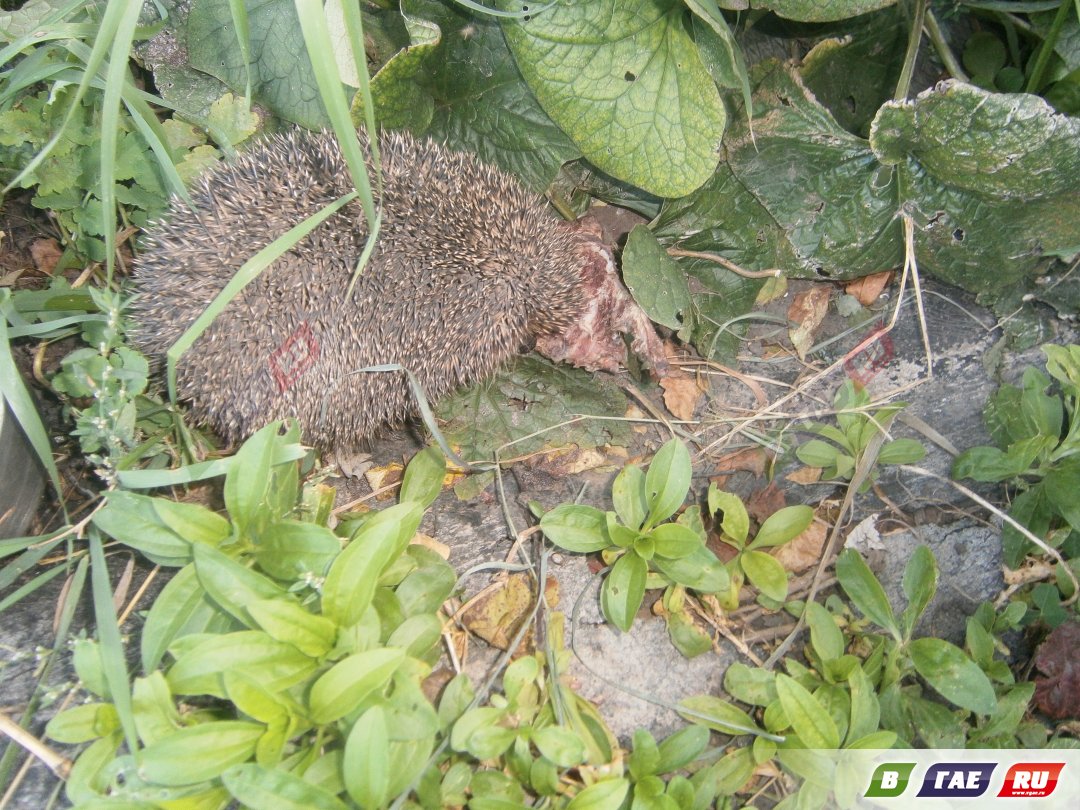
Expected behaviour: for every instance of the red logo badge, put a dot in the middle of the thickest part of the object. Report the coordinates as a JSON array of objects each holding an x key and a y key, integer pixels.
[{"x": 1031, "y": 780}]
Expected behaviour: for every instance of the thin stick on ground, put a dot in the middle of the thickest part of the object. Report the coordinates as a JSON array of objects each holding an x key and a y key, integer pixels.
[{"x": 59, "y": 765}]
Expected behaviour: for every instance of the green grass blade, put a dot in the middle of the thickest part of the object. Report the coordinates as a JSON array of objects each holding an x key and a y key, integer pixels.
[
  {"x": 243, "y": 39},
  {"x": 244, "y": 276},
  {"x": 321, "y": 52},
  {"x": 354, "y": 27},
  {"x": 13, "y": 391},
  {"x": 116, "y": 76},
  {"x": 112, "y": 645},
  {"x": 30, "y": 587}
]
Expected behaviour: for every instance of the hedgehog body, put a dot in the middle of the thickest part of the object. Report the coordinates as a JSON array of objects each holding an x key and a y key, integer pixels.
[{"x": 468, "y": 267}]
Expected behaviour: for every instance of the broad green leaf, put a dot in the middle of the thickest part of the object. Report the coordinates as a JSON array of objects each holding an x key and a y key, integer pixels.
[
  {"x": 153, "y": 708},
  {"x": 247, "y": 483},
  {"x": 736, "y": 522},
  {"x": 655, "y": 280},
  {"x": 901, "y": 451},
  {"x": 623, "y": 590},
  {"x": 471, "y": 722},
  {"x": 864, "y": 590},
  {"x": 674, "y": 541},
  {"x": 766, "y": 574},
  {"x": 822, "y": 10},
  {"x": 559, "y": 744},
  {"x": 681, "y": 748},
  {"x": 1062, "y": 485},
  {"x": 999, "y": 145},
  {"x": 628, "y": 496},
  {"x": 426, "y": 588},
  {"x": 417, "y": 635},
  {"x": 645, "y": 757},
  {"x": 182, "y": 607},
  {"x": 920, "y": 585},
  {"x": 345, "y": 685},
  {"x": 865, "y": 710},
  {"x": 281, "y": 73},
  {"x": 952, "y": 674},
  {"x": 626, "y": 82},
  {"x": 275, "y": 665},
  {"x": 480, "y": 421},
  {"x": 755, "y": 686},
  {"x": 606, "y": 795},
  {"x": 825, "y": 636},
  {"x": 667, "y": 481},
  {"x": 688, "y": 638},
  {"x": 455, "y": 699},
  {"x": 807, "y": 716},
  {"x": 423, "y": 479},
  {"x": 366, "y": 764},
  {"x": 190, "y": 521},
  {"x": 620, "y": 535},
  {"x": 990, "y": 465},
  {"x": 87, "y": 781},
  {"x": 350, "y": 582},
  {"x": 1010, "y": 711},
  {"x": 466, "y": 91},
  {"x": 197, "y": 753},
  {"x": 257, "y": 788},
  {"x": 285, "y": 620},
  {"x": 231, "y": 585},
  {"x": 855, "y": 71},
  {"x": 816, "y": 453},
  {"x": 83, "y": 723},
  {"x": 701, "y": 571},
  {"x": 576, "y": 528},
  {"x": 783, "y": 525},
  {"x": 132, "y": 519},
  {"x": 254, "y": 701},
  {"x": 289, "y": 549},
  {"x": 717, "y": 714}
]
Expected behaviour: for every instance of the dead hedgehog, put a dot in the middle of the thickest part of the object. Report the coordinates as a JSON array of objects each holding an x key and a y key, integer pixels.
[{"x": 469, "y": 267}]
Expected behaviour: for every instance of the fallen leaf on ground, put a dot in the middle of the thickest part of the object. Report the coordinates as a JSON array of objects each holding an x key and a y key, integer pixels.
[
  {"x": 682, "y": 393},
  {"x": 763, "y": 502},
  {"x": 868, "y": 288},
  {"x": 805, "y": 314},
  {"x": 748, "y": 459},
  {"x": 805, "y": 475},
  {"x": 1058, "y": 694},
  {"x": 387, "y": 476},
  {"x": 805, "y": 550},
  {"x": 45, "y": 253},
  {"x": 497, "y": 615}
]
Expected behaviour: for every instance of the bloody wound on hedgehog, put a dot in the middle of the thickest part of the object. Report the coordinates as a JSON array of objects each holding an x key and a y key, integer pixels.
[{"x": 469, "y": 267}]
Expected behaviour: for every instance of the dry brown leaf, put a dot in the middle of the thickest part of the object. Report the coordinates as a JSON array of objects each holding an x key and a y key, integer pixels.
[
  {"x": 805, "y": 475},
  {"x": 427, "y": 541},
  {"x": 868, "y": 288},
  {"x": 748, "y": 459},
  {"x": 805, "y": 550},
  {"x": 496, "y": 616},
  {"x": 45, "y": 253},
  {"x": 380, "y": 477},
  {"x": 763, "y": 502},
  {"x": 807, "y": 312},
  {"x": 682, "y": 393}
]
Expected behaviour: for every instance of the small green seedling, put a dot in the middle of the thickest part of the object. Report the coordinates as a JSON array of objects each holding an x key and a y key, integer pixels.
[
  {"x": 850, "y": 441},
  {"x": 1037, "y": 436},
  {"x": 644, "y": 551},
  {"x": 752, "y": 563}
]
